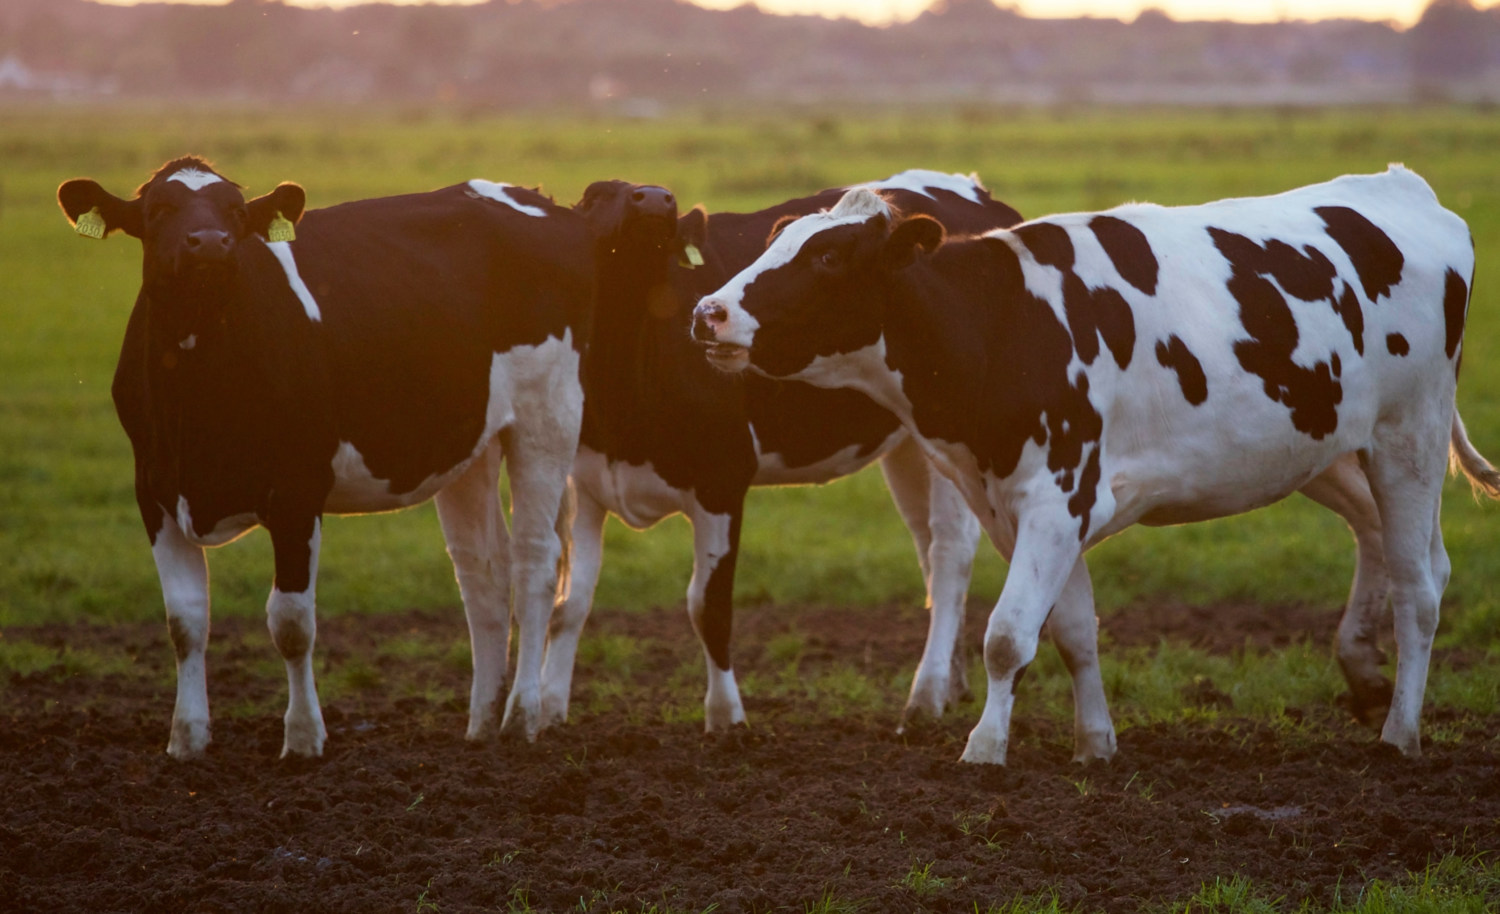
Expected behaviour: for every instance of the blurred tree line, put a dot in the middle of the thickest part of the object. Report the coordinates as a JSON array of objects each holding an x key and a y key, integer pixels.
[{"x": 520, "y": 53}]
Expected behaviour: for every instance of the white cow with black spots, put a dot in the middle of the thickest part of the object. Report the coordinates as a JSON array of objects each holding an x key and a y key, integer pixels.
[{"x": 1083, "y": 373}]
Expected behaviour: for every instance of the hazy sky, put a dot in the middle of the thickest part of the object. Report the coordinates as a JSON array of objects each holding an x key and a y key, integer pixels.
[{"x": 1404, "y": 12}]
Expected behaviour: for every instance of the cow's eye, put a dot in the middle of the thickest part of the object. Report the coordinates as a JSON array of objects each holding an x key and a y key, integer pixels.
[
  {"x": 160, "y": 211},
  {"x": 830, "y": 258}
]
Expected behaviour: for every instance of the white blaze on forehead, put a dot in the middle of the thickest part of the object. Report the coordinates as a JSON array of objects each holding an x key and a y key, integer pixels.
[
  {"x": 858, "y": 205},
  {"x": 498, "y": 192},
  {"x": 283, "y": 252},
  {"x": 195, "y": 179},
  {"x": 922, "y": 181}
]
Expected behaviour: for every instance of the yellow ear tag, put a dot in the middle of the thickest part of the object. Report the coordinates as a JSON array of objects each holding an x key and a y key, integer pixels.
[
  {"x": 90, "y": 224},
  {"x": 281, "y": 229},
  {"x": 691, "y": 256}
]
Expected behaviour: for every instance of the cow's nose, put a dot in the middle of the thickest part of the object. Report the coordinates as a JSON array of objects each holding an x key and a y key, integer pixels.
[
  {"x": 654, "y": 201},
  {"x": 708, "y": 317},
  {"x": 208, "y": 244}
]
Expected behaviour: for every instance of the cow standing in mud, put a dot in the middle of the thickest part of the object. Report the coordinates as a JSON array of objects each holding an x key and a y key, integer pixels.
[
  {"x": 397, "y": 350},
  {"x": 664, "y": 433},
  {"x": 1083, "y": 373}
]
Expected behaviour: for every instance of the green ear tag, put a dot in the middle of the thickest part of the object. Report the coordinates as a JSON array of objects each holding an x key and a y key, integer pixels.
[
  {"x": 90, "y": 224},
  {"x": 281, "y": 229},
  {"x": 691, "y": 257}
]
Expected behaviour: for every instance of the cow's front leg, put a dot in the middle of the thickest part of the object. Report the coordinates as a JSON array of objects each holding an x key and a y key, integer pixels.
[
  {"x": 1046, "y": 549},
  {"x": 710, "y": 599},
  {"x": 292, "y": 619},
  {"x": 1075, "y": 630},
  {"x": 183, "y": 570}
]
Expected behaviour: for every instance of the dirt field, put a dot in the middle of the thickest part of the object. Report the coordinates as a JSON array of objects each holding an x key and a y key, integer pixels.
[{"x": 620, "y": 810}]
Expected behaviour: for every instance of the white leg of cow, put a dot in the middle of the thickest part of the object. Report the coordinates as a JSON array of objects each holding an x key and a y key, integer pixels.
[
  {"x": 569, "y": 615},
  {"x": 1343, "y": 489},
  {"x": 1075, "y": 630},
  {"x": 1406, "y": 472},
  {"x": 945, "y": 534},
  {"x": 474, "y": 529},
  {"x": 291, "y": 616},
  {"x": 710, "y": 607},
  {"x": 183, "y": 570},
  {"x": 539, "y": 456},
  {"x": 1046, "y": 550}
]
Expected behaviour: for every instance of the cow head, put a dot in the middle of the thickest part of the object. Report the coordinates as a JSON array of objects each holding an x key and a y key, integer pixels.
[
  {"x": 190, "y": 219},
  {"x": 630, "y": 219},
  {"x": 818, "y": 290}
]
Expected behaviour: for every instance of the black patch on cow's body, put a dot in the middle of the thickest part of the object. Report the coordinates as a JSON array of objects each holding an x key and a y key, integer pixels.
[
  {"x": 1048, "y": 243},
  {"x": 1082, "y": 502},
  {"x": 984, "y": 338},
  {"x": 1375, "y": 256},
  {"x": 1128, "y": 250},
  {"x": 1173, "y": 353},
  {"x": 1346, "y": 306},
  {"x": 1397, "y": 345},
  {"x": 1092, "y": 312},
  {"x": 1455, "y": 307},
  {"x": 1312, "y": 394}
]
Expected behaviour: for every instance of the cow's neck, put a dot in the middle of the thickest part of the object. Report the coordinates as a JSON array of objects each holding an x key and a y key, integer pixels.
[{"x": 636, "y": 325}]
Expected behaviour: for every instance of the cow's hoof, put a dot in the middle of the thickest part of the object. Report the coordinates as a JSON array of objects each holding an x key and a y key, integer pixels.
[{"x": 189, "y": 740}]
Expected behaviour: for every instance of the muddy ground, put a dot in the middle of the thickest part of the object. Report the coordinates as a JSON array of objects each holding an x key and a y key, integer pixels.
[{"x": 625, "y": 809}]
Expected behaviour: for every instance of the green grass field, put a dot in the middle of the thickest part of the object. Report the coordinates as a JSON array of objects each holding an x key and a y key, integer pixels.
[{"x": 71, "y": 544}]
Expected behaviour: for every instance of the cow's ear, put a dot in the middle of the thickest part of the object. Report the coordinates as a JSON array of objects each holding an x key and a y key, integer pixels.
[
  {"x": 95, "y": 212},
  {"x": 917, "y": 233},
  {"x": 781, "y": 223},
  {"x": 692, "y": 236},
  {"x": 285, "y": 202}
]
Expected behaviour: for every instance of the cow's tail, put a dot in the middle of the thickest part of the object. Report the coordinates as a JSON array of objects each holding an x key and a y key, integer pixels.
[
  {"x": 1464, "y": 458},
  {"x": 566, "y": 510}
]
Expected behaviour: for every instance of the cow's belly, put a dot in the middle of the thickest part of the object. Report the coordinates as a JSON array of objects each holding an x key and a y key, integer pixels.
[
  {"x": 635, "y": 493},
  {"x": 356, "y": 490},
  {"x": 524, "y": 380},
  {"x": 1165, "y": 491},
  {"x": 772, "y": 468}
]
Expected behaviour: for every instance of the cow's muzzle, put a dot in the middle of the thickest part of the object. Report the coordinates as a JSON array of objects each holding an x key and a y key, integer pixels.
[{"x": 710, "y": 320}]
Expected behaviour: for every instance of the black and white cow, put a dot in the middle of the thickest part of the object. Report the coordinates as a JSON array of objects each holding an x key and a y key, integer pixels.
[
  {"x": 664, "y": 433},
  {"x": 1083, "y": 373},
  {"x": 397, "y": 350}
]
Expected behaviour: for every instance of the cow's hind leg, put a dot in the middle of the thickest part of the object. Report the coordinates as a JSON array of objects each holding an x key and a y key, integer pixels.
[
  {"x": 710, "y": 600},
  {"x": 539, "y": 455},
  {"x": 291, "y": 615},
  {"x": 474, "y": 529},
  {"x": 946, "y": 534},
  {"x": 1075, "y": 630},
  {"x": 570, "y": 613},
  {"x": 1343, "y": 489},
  {"x": 183, "y": 570},
  {"x": 1406, "y": 468}
]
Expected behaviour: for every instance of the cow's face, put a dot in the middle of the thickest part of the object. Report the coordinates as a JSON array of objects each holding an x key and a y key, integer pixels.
[
  {"x": 189, "y": 218},
  {"x": 818, "y": 290},
  {"x": 630, "y": 219}
]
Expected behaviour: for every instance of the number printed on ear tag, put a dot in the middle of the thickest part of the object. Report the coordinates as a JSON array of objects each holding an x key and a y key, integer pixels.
[
  {"x": 90, "y": 224},
  {"x": 281, "y": 229}
]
